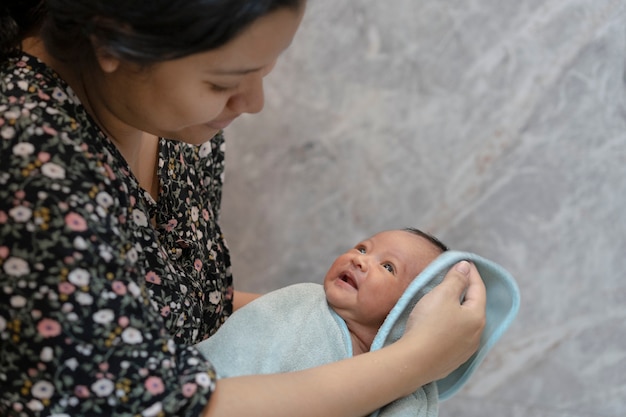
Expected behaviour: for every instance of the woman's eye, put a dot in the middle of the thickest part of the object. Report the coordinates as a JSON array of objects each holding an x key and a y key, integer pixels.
[
  {"x": 221, "y": 88},
  {"x": 389, "y": 267}
]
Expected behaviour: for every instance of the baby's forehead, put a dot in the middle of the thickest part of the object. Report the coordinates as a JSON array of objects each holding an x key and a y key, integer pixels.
[{"x": 407, "y": 246}]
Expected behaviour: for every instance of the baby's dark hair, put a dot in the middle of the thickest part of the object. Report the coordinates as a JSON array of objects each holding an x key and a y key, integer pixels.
[
  {"x": 139, "y": 31},
  {"x": 432, "y": 239}
]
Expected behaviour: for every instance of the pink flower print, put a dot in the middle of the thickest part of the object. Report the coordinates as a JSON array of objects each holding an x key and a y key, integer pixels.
[
  {"x": 43, "y": 156},
  {"x": 109, "y": 171},
  {"x": 189, "y": 389},
  {"x": 197, "y": 264},
  {"x": 205, "y": 214},
  {"x": 49, "y": 130},
  {"x": 20, "y": 194},
  {"x": 123, "y": 321},
  {"x": 66, "y": 288},
  {"x": 4, "y": 251},
  {"x": 76, "y": 222},
  {"x": 118, "y": 287},
  {"x": 152, "y": 277},
  {"x": 49, "y": 328},
  {"x": 43, "y": 95},
  {"x": 171, "y": 225},
  {"x": 165, "y": 311},
  {"x": 3, "y": 217},
  {"x": 81, "y": 391},
  {"x": 154, "y": 385}
]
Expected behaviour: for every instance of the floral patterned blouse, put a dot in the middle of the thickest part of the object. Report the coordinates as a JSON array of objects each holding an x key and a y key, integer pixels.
[{"x": 103, "y": 291}]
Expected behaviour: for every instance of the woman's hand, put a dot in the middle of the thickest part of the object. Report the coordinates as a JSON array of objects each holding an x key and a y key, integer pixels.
[{"x": 445, "y": 329}]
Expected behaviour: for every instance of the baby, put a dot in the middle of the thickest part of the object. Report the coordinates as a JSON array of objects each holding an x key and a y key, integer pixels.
[
  {"x": 360, "y": 288},
  {"x": 307, "y": 325}
]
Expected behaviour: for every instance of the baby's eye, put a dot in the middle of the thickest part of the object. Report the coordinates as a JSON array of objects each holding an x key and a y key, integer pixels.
[
  {"x": 389, "y": 267},
  {"x": 361, "y": 249}
]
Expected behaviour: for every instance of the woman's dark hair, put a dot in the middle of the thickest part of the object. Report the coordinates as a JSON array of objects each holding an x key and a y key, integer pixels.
[
  {"x": 140, "y": 31},
  {"x": 432, "y": 239}
]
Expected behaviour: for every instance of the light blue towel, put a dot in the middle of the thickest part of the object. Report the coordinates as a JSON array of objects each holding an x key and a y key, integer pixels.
[
  {"x": 503, "y": 300},
  {"x": 293, "y": 328}
]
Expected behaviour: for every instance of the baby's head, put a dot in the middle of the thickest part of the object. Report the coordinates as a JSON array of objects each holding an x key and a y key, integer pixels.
[{"x": 364, "y": 284}]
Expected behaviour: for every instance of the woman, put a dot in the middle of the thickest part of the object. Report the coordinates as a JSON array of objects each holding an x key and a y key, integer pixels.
[{"x": 113, "y": 262}]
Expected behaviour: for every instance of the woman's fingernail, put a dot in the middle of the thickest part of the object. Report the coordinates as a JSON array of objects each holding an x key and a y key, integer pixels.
[{"x": 463, "y": 267}]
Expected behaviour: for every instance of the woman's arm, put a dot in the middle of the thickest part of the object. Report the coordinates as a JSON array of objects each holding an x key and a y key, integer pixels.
[
  {"x": 441, "y": 334},
  {"x": 240, "y": 299}
]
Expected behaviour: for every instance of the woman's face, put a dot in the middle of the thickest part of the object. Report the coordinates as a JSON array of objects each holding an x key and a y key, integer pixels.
[{"x": 194, "y": 97}]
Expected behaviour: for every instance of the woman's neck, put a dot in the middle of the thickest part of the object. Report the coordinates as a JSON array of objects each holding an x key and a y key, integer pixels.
[{"x": 139, "y": 149}]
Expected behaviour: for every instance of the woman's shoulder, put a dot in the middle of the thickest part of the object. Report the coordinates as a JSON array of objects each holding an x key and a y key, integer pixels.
[{"x": 35, "y": 101}]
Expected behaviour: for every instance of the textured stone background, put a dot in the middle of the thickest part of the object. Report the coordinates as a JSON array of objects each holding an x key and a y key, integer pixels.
[{"x": 498, "y": 125}]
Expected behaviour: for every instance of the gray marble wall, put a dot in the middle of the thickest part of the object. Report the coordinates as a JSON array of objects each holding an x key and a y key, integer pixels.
[{"x": 498, "y": 125}]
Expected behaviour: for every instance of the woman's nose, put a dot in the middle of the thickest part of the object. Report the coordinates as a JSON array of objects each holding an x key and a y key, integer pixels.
[{"x": 251, "y": 98}]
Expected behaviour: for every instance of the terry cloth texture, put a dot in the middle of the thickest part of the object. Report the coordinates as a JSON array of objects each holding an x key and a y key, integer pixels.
[{"x": 293, "y": 328}]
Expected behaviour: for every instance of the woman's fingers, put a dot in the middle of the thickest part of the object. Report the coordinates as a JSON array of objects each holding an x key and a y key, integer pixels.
[{"x": 476, "y": 293}]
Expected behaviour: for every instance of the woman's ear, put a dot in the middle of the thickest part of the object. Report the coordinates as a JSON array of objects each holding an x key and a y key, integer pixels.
[{"x": 107, "y": 61}]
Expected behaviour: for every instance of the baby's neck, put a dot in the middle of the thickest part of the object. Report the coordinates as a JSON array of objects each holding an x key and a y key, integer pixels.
[
  {"x": 361, "y": 335},
  {"x": 358, "y": 346}
]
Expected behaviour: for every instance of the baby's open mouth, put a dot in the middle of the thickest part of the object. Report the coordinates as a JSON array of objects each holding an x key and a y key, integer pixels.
[{"x": 349, "y": 280}]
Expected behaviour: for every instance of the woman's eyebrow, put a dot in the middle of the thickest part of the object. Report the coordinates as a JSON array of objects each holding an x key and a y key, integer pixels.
[{"x": 243, "y": 71}]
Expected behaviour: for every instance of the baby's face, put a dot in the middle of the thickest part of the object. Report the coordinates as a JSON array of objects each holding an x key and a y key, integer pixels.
[{"x": 364, "y": 283}]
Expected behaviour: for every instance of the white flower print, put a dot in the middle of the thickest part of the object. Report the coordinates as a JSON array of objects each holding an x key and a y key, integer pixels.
[
  {"x": 7, "y": 132},
  {"x": 17, "y": 301},
  {"x": 72, "y": 363},
  {"x": 153, "y": 410},
  {"x": 104, "y": 199},
  {"x": 46, "y": 354},
  {"x": 203, "y": 380},
  {"x": 105, "y": 252},
  {"x": 16, "y": 267},
  {"x": 215, "y": 297},
  {"x": 23, "y": 149},
  {"x": 42, "y": 390},
  {"x": 79, "y": 277},
  {"x": 132, "y": 336},
  {"x": 80, "y": 243},
  {"x": 195, "y": 213},
  {"x": 21, "y": 214},
  {"x": 134, "y": 289},
  {"x": 103, "y": 387},
  {"x": 53, "y": 171},
  {"x": 205, "y": 149},
  {"x": 104, "y": 316},
  {"x": 84, "y": 349},
  {"x": 11, "y": 114},
  {"x": 140, "y": 217},
  {"x": 84, "y": 299},
  {"x": 132, "y": 256},
  {"x": 34, "y": 405},
  {"x": 59, "y": 94}
]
